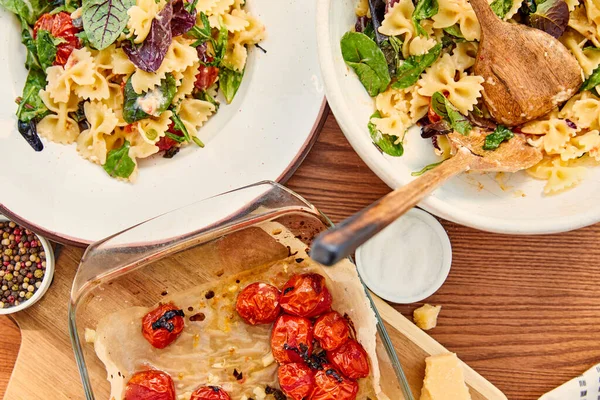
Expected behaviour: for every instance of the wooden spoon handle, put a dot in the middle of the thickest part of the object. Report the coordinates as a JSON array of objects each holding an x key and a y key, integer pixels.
[
  {"x": 486, "y": 17},
  {"x": 342, "y": 240}
]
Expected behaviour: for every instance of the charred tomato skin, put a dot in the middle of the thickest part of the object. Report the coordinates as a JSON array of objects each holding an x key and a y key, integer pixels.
[
  {"x": 306, "y": 295},
  {"x": 150, "y": 384},
  {"x": 161, "y": 337},
  {"x": 296, "y": 380},
  {"x": 350, "y": 359},
  {"x": 59, "y": 25},
  {"x": 331, "y": 330},
  {"x": 291, "y": 331},
  {"x": 331, "y": 385},
  {"x": 258, "y": 303},
  {"x": 432, "y": 115},
  {"x": 210, "y": 393}
]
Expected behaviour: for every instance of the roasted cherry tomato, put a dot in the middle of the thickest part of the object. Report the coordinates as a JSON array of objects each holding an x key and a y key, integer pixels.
[
  {"x": 165, "y": 142},
  {"x": 258, "y": 303},
  {"x": 432, "y": 115},
  {"x": 291, "y": 339},
  {"x": 60, "y": 26},
  {"x": 296, "y": 380},
  {"x": 209, "y": 393},
  {"x": 331, "y": 385},
  {"x": 350, "y": 359},
  {"x": 306, "y": 296},
  {"x": 151, "y": 384},
  {"x": 162, "y": 325},
  {"x": 207, "y": 76},
  {"x": 331, "y": 330}
]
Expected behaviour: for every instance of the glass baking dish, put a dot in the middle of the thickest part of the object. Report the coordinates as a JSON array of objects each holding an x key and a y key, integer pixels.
[{"x": 213, "y": 238}]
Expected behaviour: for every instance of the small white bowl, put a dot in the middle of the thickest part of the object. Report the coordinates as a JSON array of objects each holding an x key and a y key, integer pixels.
[
  {"x": 515, "y": 206},
  {"x": 45, "y": 282}
]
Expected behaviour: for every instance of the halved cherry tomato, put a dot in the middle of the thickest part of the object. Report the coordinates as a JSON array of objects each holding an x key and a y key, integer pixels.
[
  {"x": 331, "y": 385},
  {"x": 209, "y": 393},
  {"x": 165, "y": 142},
  {"x": 306, "y": 296},
  {"x": 60, "y": 26},
  {"x": 291, "y": 339},
  {"x": 206, "y": 77},
  {"x": 258, "y": 303},
  {"x": 331, "y": 330},
  {"x": 151, "y": 384},
  {"x": 432, "y": 115},
  {"x": 162, "y": 325},
  {"x": 350, "y": 359},
  {"x": 296, "y": 380}
]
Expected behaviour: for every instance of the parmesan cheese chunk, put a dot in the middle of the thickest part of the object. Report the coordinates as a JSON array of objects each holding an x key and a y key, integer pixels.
[
  {"x": 444, "y": 379},
  {"x": 426, "y": 316}
]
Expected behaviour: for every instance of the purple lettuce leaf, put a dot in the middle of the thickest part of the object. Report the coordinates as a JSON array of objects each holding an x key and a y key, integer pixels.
[
  {"x": 551, "y": 16},
  {"x": 182, "y": 20},
  {"x": 150, "y": 55}
]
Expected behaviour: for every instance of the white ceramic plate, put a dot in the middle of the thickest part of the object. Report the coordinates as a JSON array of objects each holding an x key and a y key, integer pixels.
[
  {"x": 264, "y": 134},
  {"x": 518, "y": 206}
]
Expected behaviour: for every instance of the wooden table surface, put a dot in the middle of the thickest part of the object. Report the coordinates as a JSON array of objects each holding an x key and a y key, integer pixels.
[{"x": 524, "y": 311}]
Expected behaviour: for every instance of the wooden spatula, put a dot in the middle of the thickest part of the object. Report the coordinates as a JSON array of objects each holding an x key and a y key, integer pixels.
[
  {"x": 527, "y": 72},
  {"x": 341, "y": 241}
]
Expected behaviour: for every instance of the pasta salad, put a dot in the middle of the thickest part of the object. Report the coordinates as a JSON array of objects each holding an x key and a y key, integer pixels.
[
  {"x": 416, "y": 60},
  {"x": 126, "y": 79}
]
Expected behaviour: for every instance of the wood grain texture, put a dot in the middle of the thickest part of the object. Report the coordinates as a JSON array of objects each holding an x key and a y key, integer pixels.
[{"x": 524, "y": 311}]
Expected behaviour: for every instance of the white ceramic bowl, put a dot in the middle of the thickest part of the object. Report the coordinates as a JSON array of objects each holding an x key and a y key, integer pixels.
[
  {"x": 45, "y": 282},
  {"x": 479, "y": 201}
]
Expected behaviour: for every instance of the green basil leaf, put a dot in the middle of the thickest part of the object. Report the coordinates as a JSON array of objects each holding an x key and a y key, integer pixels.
[
  {"x": 28, "y": 10},
  {"x": 164, "y": 93},
  {"x": 592, "y": 81},
  {"x": 230, "y": 81},
  {"x": 118, "y": 163},
  {"x": 442, "y": 107},
  {"x": 31, "y": 107},
  {"x": 426, "y": 168},
  {"x": 494, "y": 139},
  {"x": 411, "y": 69},
  {"x": 104, "y": 20},
  {"x": 455, "y": 31},
  {"x": 501, "y": 7},
  {"x": 367, "y": 60},
  {"x": 386, "y": 143},
  {"x": 45, "y": 45},
  {"x": 423, "y": 10}
]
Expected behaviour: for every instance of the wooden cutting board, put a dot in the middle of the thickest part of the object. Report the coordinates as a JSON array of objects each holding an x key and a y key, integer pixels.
[{"x": 46, "y": 369}]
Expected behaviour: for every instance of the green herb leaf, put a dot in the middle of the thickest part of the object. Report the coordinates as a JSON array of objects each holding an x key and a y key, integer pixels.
[
  {"x": 367, "y": 60},
  {"x": 164, "y": 94},
  {"x": 411, "y": 69},
  {"x": 177, "y": 138},
  {"x": 494, "y": 139},
  {"x": 455, "y": 31},
  {"x": 221, "y": 45},
  {"x": 501, "y": 7},
  {"x": 104, "y": 20},
  {"x": 83, "y": 38},
  {"x": 551, "y": 16},
  {"x": 198, "y": 141},
  {"x": 442, "y": 107},
  {"x": 31, "y": 107},
  {"x": 204, "y": 95},
  {"x": 426, "y": 168},
  {"x": 178, "y": 124},
  {"x": 230, "y": 81},
  {"x": 45, "y": 45},
  {"x": 386, "y": 143},
  {"x": 592, "y": 81},
  {"x": 29, "y": 10},
  {"x": 202, "y": 34},
  {"x": 191, "y": 6},
  {"x": 27, "y": 39},
  {"x": 118, "y": 163},
  {"x": 391, "y": 49},
  {"x": 423, "y": 10},
  {"x": 369, "y": 30}
]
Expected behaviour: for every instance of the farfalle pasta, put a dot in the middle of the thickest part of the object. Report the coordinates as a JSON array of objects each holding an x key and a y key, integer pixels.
[{"x": 144, "y": 85}]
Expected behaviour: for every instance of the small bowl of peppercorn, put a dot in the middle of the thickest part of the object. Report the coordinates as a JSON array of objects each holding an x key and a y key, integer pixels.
[{"x": 26, "y": 267}]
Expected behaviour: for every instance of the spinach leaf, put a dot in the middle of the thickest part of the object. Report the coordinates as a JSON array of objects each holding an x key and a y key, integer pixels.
[
  {"x": 426, "y": 168},
  {"x": 423, "y": 10},
  {"x": 31, "y": 107},
  {"x": 29, "y": 10},
  {"x": 455, "y": 31},
  {"x": 45, "y": 45},
  {"x": 494, "y": 139},
  {"x": 501, "y": 7},
  {"x": 592, "y": 81},
  {"x": 163, "y": 95},
  {"x": 551, "y": 16},
  {"x": 230, "y": 81},
  {"x": 391, "y": 49},
  {"x": 412, "y": 68},
  {"x": 367, "y": 60},
  {"x": 445, "y": 109},
  {"x": 118, "y": 163},
  {"x": 27, "y": 39},
  {"x": 104, "y": 20},
  {"x": 385, "y": 143}
]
